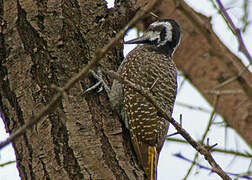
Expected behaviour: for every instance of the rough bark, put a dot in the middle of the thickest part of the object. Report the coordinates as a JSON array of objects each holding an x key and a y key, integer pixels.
[{"x": 46, "y": 42}]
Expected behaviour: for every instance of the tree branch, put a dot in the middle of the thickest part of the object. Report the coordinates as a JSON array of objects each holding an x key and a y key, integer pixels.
[
  {"x": 7, "y": 163},
  {"x": 236, "y": 31},
  {"x": 210, "y": 122},
  {"x": 225, "y": 151},
  {"x": 207, "y": 168},
  {"x": 197, "y": 108}
]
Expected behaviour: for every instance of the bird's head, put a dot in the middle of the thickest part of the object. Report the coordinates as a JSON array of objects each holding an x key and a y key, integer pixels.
[{"x": 163, "y": 35}]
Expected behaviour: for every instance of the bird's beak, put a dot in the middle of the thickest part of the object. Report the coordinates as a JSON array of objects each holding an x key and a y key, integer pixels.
[{"x": 140, "y": 40}]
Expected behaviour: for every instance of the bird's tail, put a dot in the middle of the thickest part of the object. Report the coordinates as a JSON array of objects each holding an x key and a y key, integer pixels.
[
  {"x": 151, "y": 170},
  {"x": 148, "y": 157}
]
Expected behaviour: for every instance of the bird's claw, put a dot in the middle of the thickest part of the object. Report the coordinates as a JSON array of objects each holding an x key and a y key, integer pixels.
[
  {"x": 101, "y": 83},
  {"x": 93, "y": 87}
]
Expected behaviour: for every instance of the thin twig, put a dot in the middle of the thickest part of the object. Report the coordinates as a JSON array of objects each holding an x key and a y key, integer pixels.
[
  {"x": 224, "y": 92},
  {"x": 210, "y": 122},
  {"x": 218, "y": 150},
  {"x": 7, "y": 163},
  {"x": 199, "y": 147},
  {"x": 207, "y": 168},
  {"x": 192, "y": 107},
  {"x": 245, "y": 17},
  {"x": 236, "y": 31},
  {"x": 232, "y": 78},
  {"x": 192, "y": 165},
  {"x": 98, "y": 55}
]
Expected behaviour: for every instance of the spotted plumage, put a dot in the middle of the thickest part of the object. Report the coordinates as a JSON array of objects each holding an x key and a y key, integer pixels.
[{"x": 151, "y": 66}]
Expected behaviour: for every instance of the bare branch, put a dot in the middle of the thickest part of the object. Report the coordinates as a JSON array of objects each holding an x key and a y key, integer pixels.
[
  {"x": 98, "y": 55},
  {"x": 223, "y": 92},
  {"x": 245, "y": 16},
  {"x": 232, "y": 78},
  {"x": 192, "y": 107},
  {"x": 7, "y": 163},
  {"x": 210, "y": 122},
  {"x": 192, "y": 165},
  {"x": 224, "y": 151},
  {"x": 207, "y": 168},
  {"x": 236, "y": 31}
]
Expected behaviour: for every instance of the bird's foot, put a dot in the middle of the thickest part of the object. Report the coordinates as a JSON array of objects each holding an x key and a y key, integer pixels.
[{"x": 100, "y": 84}]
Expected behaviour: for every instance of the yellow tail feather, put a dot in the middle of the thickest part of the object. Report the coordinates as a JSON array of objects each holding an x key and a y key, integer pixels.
[
  {"x": 147, "y": 156},
  {"x": 151, "y": 170}
]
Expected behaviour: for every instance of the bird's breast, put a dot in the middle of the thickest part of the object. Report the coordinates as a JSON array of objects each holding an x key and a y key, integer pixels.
[{"x": 157, "y": 73}]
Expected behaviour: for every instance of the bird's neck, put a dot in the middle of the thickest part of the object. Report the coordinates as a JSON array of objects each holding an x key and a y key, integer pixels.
[{"x": 162, "y": 49}]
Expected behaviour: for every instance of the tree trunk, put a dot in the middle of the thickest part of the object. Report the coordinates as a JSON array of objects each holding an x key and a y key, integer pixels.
[{"x": 47, "y": 42}]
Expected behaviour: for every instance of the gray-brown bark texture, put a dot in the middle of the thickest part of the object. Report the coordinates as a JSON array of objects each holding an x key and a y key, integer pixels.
[{"x": 46, "y": 42}]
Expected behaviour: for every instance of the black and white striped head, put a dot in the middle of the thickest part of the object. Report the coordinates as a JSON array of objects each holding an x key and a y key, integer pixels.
[{"x": 164, "y": 35}]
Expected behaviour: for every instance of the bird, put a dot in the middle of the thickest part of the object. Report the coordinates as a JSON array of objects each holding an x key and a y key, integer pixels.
[{"x": 149, "y": 65}]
